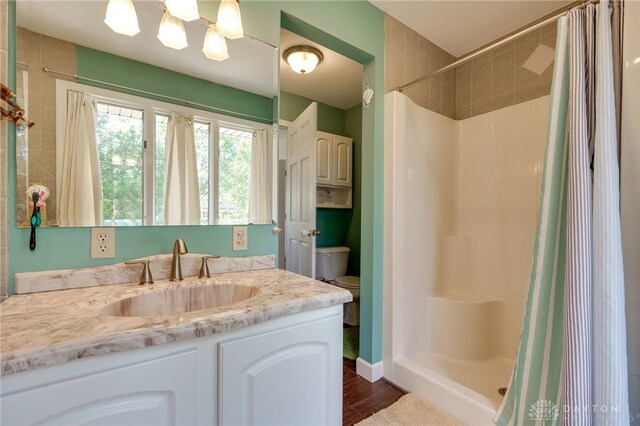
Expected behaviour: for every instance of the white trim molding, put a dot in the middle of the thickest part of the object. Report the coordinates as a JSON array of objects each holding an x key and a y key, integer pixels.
[{"x": 371, "y": 372}]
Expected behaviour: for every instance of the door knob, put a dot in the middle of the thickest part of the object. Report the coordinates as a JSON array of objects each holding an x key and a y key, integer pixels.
[{"x": 313, "y": 232}]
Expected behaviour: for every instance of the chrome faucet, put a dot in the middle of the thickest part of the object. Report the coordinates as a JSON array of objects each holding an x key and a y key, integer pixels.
[{"x": 179, "y": 247}]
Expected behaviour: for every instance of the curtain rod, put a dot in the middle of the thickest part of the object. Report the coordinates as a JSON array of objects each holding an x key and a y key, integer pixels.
[
  {"x": 170, "y": 98},
  {"x": 499, "y": 43}
]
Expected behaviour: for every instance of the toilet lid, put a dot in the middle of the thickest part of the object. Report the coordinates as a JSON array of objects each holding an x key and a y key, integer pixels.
[{"x": 348, "y": 281}]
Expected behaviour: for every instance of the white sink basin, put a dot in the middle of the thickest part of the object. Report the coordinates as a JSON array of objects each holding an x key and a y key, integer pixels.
[{"x": 180, "y": 299}]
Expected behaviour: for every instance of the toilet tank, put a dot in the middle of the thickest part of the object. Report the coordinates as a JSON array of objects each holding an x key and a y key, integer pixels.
[{"x": 331, "y": 262}]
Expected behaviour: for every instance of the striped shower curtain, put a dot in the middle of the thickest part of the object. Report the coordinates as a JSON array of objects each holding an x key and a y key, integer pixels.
[{"x": 571, "y": 366}]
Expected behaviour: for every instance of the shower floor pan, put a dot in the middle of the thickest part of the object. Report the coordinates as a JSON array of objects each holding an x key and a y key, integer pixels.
[{"x": 482, "y": 376}]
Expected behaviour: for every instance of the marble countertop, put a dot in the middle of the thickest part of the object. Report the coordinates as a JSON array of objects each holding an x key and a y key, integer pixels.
[{"x": 49, "y": 328}]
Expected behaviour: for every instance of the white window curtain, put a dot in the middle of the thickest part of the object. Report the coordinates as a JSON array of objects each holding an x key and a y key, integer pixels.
[
  {"x": 260, "y": 188},
  {"x": 78, "y": 179},
  {"x": 182, "y": 193}
]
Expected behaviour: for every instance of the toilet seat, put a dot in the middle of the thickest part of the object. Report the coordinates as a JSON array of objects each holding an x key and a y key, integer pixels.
[{"x": 349, "y": 283}]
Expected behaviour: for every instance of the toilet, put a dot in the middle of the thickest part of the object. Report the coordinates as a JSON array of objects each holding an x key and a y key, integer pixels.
[{"x": 331, "y": 266}]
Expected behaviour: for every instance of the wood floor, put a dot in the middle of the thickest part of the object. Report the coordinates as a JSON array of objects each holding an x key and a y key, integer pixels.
[{"x": 361, "y": 398}]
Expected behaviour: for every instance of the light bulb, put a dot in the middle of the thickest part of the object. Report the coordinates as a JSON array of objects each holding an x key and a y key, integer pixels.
[
  {"x": 229, "y": 20},
  {"x": 187, "y": 10},
  {"x": 303, "y": 59},
  {"x": 121, "y": 17},
  {"x": 171, "y": 32},
  {"x": 215, "y": 46}
]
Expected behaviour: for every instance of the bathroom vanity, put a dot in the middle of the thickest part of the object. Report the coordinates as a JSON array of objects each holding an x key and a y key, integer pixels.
[{"x": 269, "y": 353}]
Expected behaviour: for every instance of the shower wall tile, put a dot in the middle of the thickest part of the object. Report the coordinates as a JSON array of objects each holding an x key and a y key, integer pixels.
[
  {"x": 490, "y": 82},
  {"x": 408, "y": 56},
  {"x": 35, "y": 51},
  {"x": 510, "y": 83}
]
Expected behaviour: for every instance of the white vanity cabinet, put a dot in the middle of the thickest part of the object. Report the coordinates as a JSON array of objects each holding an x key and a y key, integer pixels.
[
  {"x": 334, "y": 170},
  {"x": 283, "y": 371}
]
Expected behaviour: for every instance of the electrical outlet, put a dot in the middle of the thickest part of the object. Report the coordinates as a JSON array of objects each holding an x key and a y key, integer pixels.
[
  {"x": 240, "y": 238},
  {"x": 103, "y": 243}
]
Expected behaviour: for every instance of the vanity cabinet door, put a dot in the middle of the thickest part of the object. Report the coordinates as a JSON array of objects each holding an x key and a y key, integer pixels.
[
  {"x": 159, "y": 391},
  {"x": 291, "y": 376}
]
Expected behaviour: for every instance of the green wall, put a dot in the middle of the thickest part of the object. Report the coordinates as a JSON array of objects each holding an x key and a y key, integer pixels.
[
  {"x": 330, "y": 119},
  {"x": 114, "y": 69},
  {"x": 352, "y": 28},
  {"x": 353, "y": 128}
]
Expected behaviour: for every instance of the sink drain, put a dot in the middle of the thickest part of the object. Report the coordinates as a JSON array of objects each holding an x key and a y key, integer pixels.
[{"x": 502, "y": 391}]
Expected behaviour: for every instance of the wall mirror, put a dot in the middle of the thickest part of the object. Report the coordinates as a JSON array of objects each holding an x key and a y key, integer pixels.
[{"x": 130, "y": 132}]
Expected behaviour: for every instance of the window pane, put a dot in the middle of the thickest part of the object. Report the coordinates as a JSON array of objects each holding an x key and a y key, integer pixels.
[
  {"x": 120, "y": 146},
  {"x": 235, "y": 169},
  {"x": 161, "y": 167},
  {"x": 201, "y": 133}
]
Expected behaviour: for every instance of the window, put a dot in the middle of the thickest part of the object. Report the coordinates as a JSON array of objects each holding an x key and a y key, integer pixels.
[
  {"x": 131, "y": 137},
  {"x": 120, "y": 139},
  {"x": 235, "y": 174}
]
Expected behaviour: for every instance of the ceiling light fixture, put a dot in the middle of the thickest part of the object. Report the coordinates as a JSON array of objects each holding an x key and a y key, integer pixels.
[
  {"x": 121, "y": 17},
  {"x": 229, "y": 21},
  {"x": 187, "y": 10},
  {"x": 215, "y": 45},
  {"x": 171, "y": 32},
  {"x": 303, "y": 59}
]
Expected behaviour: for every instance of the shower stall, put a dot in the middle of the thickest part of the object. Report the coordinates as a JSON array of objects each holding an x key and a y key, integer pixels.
[{"x": 461, "y": 203}]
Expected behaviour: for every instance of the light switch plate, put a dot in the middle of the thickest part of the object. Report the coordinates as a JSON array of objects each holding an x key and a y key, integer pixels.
[
  {"x": 240, "y": 238},
  {"x": 103, "y": 243}
]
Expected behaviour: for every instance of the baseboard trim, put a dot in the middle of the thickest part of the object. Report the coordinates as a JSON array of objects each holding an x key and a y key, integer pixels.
[{"x": 371, "y": 372}]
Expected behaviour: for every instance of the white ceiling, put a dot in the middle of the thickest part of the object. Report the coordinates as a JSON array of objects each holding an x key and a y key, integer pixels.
[
  {"x": 252, "y": 64},
  {"x": 337, "y": 81},
  {"x": 460, "y": 26}
]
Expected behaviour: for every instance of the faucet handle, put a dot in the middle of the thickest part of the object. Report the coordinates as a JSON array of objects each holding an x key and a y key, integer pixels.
[
  {"x": 146, "y": 277},
  {"x": 204, "y": 269}
]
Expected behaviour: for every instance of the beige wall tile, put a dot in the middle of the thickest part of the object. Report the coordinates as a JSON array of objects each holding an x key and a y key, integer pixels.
[
  {"x": 448, "y": 110},
  {"x": 481, "y": 107},
  {"x": 464, "y": 96},
  {"x": 549, "y": 38},
  {"x": 436, "y": 90},
  {"x": 436, "y": 106},
  {"x": 412, "y": 38},
  {"x": 463, "y": 112},
  {"x": 503, "y": 83},
  {"x": 482, "y": 92},
  {"x": 464, "y": 76},
  {"x": 523, "y": 51},
  {"x": 412, "y": 93},
  {"x": 423, "y": 101},
  {"x": 502, "y": 100},
  {"x": 482, "y": 70},
  {"x": 545, "y": 81},
  {"x": 504, "y": 62},
  {"x": 447, "y": 95}
]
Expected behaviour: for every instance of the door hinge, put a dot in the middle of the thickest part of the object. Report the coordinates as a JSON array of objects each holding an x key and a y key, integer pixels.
[
  {"x": 145, "y": 145},
  {"x": 285, "y": 172}
]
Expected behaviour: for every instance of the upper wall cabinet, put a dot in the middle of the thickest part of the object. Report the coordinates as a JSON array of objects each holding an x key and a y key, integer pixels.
[{"x": 335, "y": 170}]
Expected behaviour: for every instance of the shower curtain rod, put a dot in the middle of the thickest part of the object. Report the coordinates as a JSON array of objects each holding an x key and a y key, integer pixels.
[
  {"x": 158, "y": 95},
  {"x": 485, "y": 49}
]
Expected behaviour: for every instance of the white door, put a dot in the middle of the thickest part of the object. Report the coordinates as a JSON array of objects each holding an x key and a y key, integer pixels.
[{"x": 300, "y": 223}]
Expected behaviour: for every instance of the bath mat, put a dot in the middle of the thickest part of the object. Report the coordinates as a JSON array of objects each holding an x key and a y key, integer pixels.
[
  {"x": 410, "y": 410},
  {"x": 351, "y": 343}
]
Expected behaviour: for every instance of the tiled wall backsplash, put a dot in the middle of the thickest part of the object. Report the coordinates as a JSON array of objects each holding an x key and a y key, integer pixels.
[
  {"x": 408, "y": 56},
  {"x": 492, "y": 81},
  {"x": 35, "y": 51},
  {"x": 497, "y": 79}
]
